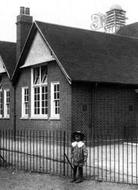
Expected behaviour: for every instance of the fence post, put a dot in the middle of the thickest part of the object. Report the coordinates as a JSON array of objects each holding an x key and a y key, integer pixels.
[{"x": 64, "y": 144}]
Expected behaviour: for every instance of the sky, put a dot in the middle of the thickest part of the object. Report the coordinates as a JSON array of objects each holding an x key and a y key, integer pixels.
[{"x": 75, "y": 13}]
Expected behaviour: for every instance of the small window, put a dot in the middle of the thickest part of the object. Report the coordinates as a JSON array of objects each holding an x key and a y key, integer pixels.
[
  {"x": 1, "y": 103},
  {"x": 7, "y": 103},
  {"x": 36, "y": 76},
  {"x": 25, "y": 102},
  {"x": 44, "y": 74},
  {"x": 55, "y": 100},
  {"x": 40, "y": 75}
]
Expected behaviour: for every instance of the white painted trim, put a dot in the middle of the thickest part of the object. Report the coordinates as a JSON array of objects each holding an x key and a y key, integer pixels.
[
  {"x": 48, "y": 60},
  {"x": 38, "y": 117},
  {"x": 54, "y": 118},
  {"x": 22, "y": 106},
  {"x": 1, "y": 115},
  {"x": 4, "y": 111},
  {"x": 32, "y": 94},
  {"x": 35, "y": 116},
  {"x": 24, "y": 117},
  {"x": 5, "y": 107},
  {"x": 59, "y": 63},
  {"x": 52, "y": 105}
]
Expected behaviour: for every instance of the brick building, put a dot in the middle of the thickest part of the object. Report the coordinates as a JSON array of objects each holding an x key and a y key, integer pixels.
[
  {"x": 7, "y": 91},
  {"x": 68, "y": 78}
]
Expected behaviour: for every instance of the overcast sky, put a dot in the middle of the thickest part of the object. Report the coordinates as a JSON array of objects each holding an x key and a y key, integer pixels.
[{"x": 76, "y": 13}]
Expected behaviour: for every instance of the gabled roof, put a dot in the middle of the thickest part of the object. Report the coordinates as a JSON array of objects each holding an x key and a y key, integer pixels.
[
  {"x": 130, "y": 30},
  {"x": 90, "y": 56},
  {"x": 8, "y": 54}
]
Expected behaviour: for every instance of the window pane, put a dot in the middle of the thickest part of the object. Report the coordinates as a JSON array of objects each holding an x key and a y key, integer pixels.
[
  {"x": 26, "y": 102},
  {"x": 37, "y": 100},
  {"x": 44, "y": 74},
  {"x": 44, "y": 100},
  {"x": 57, "y": 95},
  {"x": 8, "y": 102},
  {"x": 40, "y": 90},
  {"x": 26, "y": 108},
  {"x": 1, "y": 103},
  {"x": 57, "y": 87},
  {"x": 36, "y": 75},
  {"x": 56, "y": 98}
]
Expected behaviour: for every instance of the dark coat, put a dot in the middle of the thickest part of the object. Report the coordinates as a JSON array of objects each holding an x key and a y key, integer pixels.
[{"x": 79, "y": 153}]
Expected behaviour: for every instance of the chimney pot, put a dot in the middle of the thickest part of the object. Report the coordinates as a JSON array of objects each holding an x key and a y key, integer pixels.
[
  {"x": 27, "y": 11},
  {"x": 22, "y": 10}
]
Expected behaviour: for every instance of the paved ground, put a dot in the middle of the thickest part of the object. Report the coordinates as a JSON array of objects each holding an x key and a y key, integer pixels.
[{"x": 18, "y": 180}]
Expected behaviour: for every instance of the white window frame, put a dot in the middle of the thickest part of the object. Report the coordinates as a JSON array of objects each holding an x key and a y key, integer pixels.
[
  {"x": 24, "y": 115},
  {"x": 1, "y": 91},
  {"x": 40, "y": 85},
  {"x": 6, "y": 114},
  {"x": 53, "y": 114}
]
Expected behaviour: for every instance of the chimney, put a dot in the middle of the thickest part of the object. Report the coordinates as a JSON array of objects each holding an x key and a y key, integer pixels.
[{"x": 24, "y": 23}]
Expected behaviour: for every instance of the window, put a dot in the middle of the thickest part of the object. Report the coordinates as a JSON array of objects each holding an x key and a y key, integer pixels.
[
  {"x": 1, "y": 103},
  {"x": 55, "y": 100},
  {"x": 39, "y": 92},
  {"x": 7, "y": 103},
  {"x": 25, "y": 102}
]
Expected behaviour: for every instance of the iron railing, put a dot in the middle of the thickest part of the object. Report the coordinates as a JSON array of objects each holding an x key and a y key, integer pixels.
[{"x": 109, "y": 158}]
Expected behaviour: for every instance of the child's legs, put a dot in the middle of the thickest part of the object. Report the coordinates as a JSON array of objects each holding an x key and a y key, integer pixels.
[
  {"x": 75, "y": 172},
  {"x": 80, "y": 172}
]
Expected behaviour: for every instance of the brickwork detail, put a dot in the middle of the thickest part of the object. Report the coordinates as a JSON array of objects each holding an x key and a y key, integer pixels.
[
  {"x": 54, "y": 74},
  {"x": 110, "y": 110}
]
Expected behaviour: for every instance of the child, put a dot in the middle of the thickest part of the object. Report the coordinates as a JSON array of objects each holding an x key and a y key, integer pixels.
[{"x": 79, "y": 155}]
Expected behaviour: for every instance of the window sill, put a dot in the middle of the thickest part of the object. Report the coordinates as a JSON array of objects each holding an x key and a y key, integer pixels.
[
  {"x": 34, "y": 118},
  {"x": 5, "y": 118},
  {"x": 39, "y": 118},
  {"x": 54, "y": 118},
  {"x": 24, "y": 118}
]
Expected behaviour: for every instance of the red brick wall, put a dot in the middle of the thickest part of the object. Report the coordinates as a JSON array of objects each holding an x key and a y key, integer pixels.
[
  {"x": 104, "y": 110},
  {"x": 54, "y": 74},
  {"x": 81, "y": 107},
  {"x": 6, "y": 123}
]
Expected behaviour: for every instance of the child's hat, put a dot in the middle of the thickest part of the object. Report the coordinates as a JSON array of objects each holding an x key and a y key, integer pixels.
[{"x": 78, "y": 133}]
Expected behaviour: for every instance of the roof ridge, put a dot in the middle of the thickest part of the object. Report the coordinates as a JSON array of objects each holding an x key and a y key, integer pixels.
[
  {"x": 91, "y": 31},
  {"x": 7, "y": 42},
  {"x": 70, "y": 27}
]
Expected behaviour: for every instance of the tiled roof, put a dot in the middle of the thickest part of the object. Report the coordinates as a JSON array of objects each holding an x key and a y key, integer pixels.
[
  {"x": 130, "y": 30},
  {"x": 8, "y": 54},
  {"x": 91, "y": 56}
]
